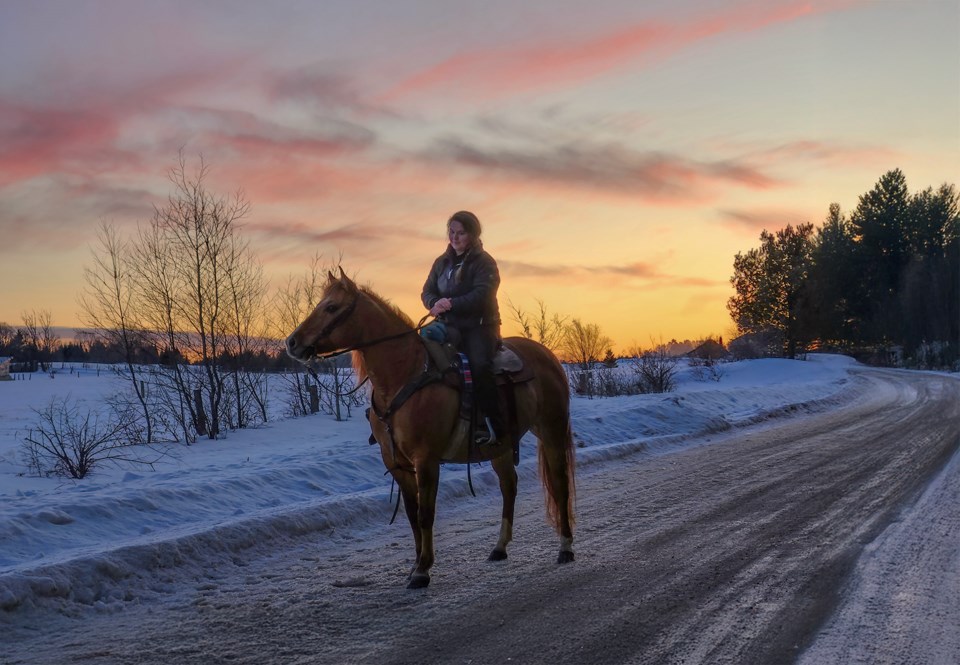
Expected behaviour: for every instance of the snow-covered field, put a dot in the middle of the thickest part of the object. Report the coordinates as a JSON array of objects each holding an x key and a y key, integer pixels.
[{"x": 82, "y": 543}]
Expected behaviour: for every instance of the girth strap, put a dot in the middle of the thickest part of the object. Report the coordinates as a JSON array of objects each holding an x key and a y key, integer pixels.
[{"x": 430, "y": 374}]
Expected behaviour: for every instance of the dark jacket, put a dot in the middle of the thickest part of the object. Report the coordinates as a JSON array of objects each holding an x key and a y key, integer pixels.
[{"x": 472, "y": 287}]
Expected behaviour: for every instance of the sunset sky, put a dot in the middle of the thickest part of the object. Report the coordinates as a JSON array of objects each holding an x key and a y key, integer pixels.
[{"x": 619, "y": 153}]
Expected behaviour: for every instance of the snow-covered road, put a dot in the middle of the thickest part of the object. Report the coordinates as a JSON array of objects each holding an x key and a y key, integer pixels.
[{"x": 736, "y": 548}]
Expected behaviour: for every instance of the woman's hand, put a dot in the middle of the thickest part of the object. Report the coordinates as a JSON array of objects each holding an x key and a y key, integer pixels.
[{"x": 441, "y": 306}]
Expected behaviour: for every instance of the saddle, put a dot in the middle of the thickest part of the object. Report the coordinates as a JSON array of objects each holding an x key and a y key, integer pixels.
[
  {"x": 508, "y": 367},
  {"x": 445, "y": 366},
  {"x": 509, "y": 370}
]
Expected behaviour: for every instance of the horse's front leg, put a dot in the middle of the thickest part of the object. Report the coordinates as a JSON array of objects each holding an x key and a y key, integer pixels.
[
  {"x": 407, "y": 481},
  {"x": 507, "y": 474},
  {"x": 428, "y": 480}
]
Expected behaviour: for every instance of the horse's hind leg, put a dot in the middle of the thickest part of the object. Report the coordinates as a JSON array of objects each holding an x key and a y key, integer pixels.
[{"x": 507, "y": 474}]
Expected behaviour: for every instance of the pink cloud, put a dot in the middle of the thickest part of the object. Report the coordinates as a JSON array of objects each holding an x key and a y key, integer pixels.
[
  {"x": 837, "y": 153},
  {"x": 78, "y": 129},
  {"x": 550, "y": 64},
  {"x": 35, "y": 141}
]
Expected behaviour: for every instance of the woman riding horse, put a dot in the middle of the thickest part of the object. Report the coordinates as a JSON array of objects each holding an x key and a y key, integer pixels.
[
  {"x": 461, "y": 291},
  {"x": 415, "y": 432}
]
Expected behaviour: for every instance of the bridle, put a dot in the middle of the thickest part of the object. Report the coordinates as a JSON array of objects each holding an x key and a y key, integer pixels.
[
  {"x": 345, "y": 314},
  {"x": 411, "y": 387},
  {"x": 341, "y": 316},
  {"x": 339, "y": 319}
]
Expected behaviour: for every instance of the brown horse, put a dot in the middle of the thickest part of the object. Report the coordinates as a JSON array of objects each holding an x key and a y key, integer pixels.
[{"x": 414, "y": 437}]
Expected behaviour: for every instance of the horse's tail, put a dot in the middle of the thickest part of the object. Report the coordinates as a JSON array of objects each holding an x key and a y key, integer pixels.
[{"x": 557, "y": 467}]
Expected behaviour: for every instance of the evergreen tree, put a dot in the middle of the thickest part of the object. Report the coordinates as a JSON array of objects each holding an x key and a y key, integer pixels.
[
  {"x": 833, "y": 287},
  {"x": 879, "y": 225},
  {"x": 771, "y": 284},
  {"x": 929, "y": 297}
]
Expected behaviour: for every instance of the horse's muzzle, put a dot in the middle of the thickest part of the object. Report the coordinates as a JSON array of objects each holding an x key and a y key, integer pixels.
[{"x": 296, "y": 351}]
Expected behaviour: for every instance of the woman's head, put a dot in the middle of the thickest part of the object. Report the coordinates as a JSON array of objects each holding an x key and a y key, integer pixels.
[{"x": 463, "y": 231}]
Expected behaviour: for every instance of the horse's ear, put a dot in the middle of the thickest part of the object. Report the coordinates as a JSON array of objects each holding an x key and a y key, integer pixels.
[
  {"x": 331, "y": 277},
  {"x": 346, "y": 281}
]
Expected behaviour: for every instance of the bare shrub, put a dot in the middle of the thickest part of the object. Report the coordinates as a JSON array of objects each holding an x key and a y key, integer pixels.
[
  {"x": 707, "y": 369},
  {"x": 600, "y": 381},
  {"x": 655, "y": 371},
  {"x": 296, "y": 393},
  {"x": 337, "y": 390},
  {"x": 69, "y": 442}
]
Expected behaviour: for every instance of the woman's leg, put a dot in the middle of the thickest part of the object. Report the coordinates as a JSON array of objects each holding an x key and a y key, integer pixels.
[{"x": 480, "y": 344}]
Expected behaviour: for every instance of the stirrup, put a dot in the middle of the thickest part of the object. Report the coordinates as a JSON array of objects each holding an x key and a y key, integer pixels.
[{"x": 485, "y": 436}]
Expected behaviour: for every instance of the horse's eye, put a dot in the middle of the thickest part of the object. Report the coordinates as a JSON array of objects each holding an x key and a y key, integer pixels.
[{"x": 332, "y": 307}]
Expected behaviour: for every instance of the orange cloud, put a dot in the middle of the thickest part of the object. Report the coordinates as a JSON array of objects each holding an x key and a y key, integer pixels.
[
  {"x": 345, "y": 233},
  {"x": 572, "y": 273},
  {"x": 758, "y": 220},
  {"x": 549, "y": 64}
]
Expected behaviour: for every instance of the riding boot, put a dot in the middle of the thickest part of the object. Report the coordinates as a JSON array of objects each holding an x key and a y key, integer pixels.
[{"x": 490, "y": 428}]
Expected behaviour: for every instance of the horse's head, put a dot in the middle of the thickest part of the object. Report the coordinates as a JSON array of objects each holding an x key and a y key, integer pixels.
[{"x": 325, "y": 328}]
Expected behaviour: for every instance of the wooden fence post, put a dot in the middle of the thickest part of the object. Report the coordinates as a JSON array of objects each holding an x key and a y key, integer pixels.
[{"x": 201, "y": 416}]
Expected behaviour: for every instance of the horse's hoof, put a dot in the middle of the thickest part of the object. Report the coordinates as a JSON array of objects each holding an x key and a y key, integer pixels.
[
  {"x": 497, "y": 555},
  {"x": 418, "y": 581},
  {"x": 565, "y": 557}
]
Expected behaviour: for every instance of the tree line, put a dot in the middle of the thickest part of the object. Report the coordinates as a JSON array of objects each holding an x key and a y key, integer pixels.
[
  {"x": 41, "y": 352},
  {"x": 884, "y": 278}
]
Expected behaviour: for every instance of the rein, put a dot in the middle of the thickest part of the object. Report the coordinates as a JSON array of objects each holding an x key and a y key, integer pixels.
[
  {"x": 340, "y": 318},
  {"x": 424, "y": 378},
  {"x": 360, "y": 345}
]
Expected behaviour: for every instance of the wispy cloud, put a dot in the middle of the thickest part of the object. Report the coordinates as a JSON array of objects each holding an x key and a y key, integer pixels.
[
  {"x": 833, "y": 153},
  {"x": 549, "y": 64},
  {"x": 344, "y": 233},
  {"x": 59, "y": 213},
  {"x": 323, "y": 90},
  {"x": 638, "y": 271},
  {"x": 655, "y": 176},
  {"x": 758, "y": 220}
]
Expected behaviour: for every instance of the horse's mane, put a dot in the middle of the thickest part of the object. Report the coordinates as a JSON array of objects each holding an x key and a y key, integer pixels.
[
  {"x": 359, "y": 367},
  {"x": 387, "y": 305}
]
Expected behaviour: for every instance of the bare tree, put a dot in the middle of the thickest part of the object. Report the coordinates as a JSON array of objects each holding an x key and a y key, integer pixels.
[
  {"x": 246, "y": 331},
  {"x": 7, "y": 334},
  {"x": 293, "y": 302},
  {"x": 110, "y": 310},
  {"x": 583, "y": 343},
  {"x": 190, "y": 248},
  {"x": 37, "y": 331},
  {"x": 541, "y": 327},
  {"x": 189, "y": 287},
  {"x": 336, "y": 383}
]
